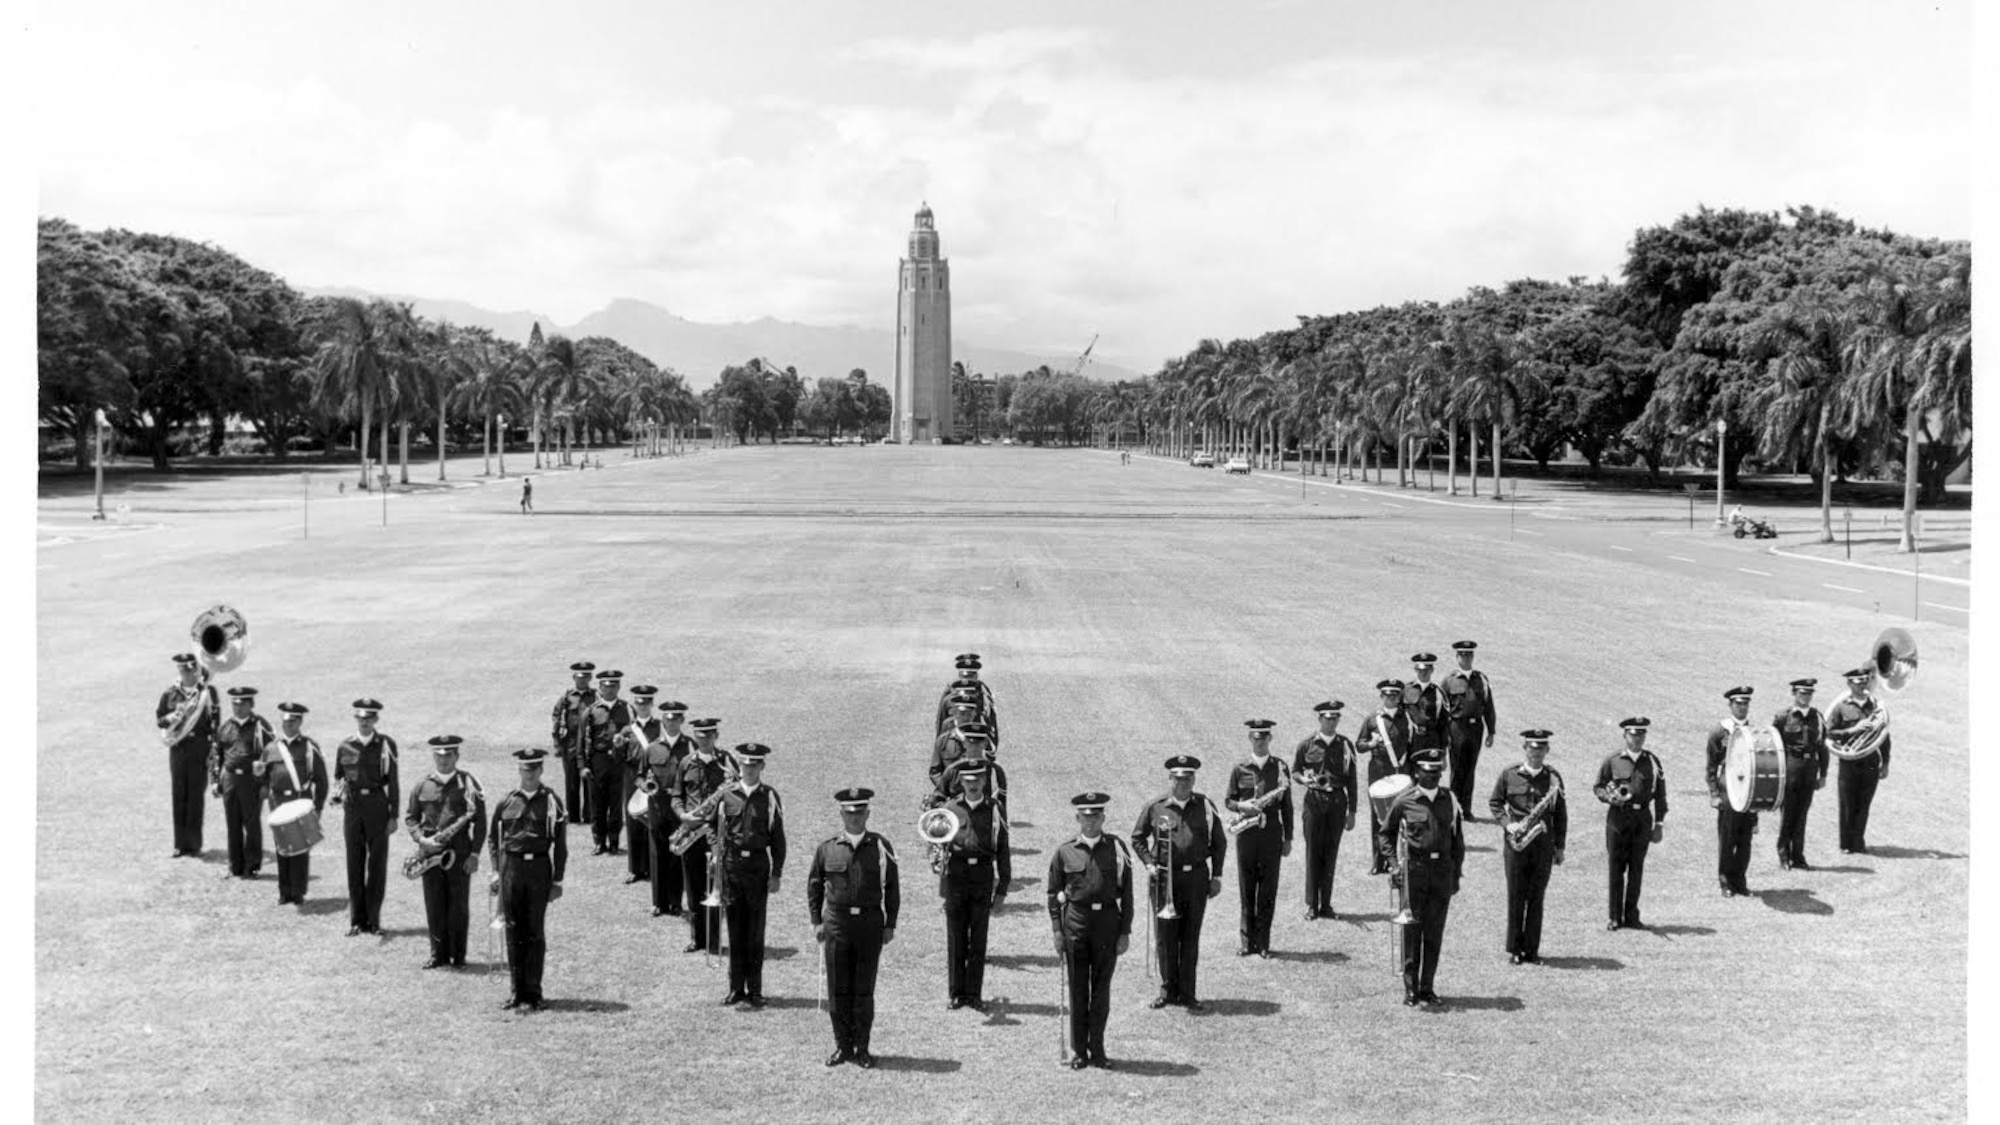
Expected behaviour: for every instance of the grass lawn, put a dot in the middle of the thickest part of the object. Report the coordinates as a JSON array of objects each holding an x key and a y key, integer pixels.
[{"x": 812, "y": 599}]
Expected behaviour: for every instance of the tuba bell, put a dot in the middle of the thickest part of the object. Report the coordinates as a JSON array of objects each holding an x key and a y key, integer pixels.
[
  {"x": 221, "y": 639},
  {"x": 939, "y": 827},
  {"x": 1895, "y": 659}
]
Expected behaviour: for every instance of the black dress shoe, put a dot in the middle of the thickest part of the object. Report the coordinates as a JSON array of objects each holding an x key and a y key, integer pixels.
[
  {"x": 957, "y": 1002},
  {"x": 1194, "y": 1005},
  {"x": 1327, "y": 913},
  {"x": 534, "y": 1005},
  {"x": 1802, "y": 865},
  {"x": 512, "y": 1002},
  {"x": 864, "y": 1060},
  {"x": 458, "y": 962},
  {"x": 1431, "y": 999},
  {"x": 1409, "y": 999},
  {"x": 1311, "y": 913},
  {"x": 1159, "y": 1002},
  {"x": 1101, "y": 1063},
  {"x": 1613, "y": 924},
  {"x": 657, "y": 912},
  {"x": 1532, "y": 958},
  {"x": 615, "y": 850},
  {"x": 631, "y": 879},
  {"x": 1740, "y": 889},
  {"x": 675, "y": 911},
  {"x": 598, "y": 850},
  {"x": 1078, "y": 1063},
  {"x": 1515, "y": 960},
  {"x": 433, "y": 962},
  {"x": 976, "y": 1003},
  {"x": 1632, "y": 922},
  {"x": 838, "y": 1056},
  {"x": 1264, "y": 953},
  {"x": 733, "y": 998},
  {"x": 692, "y": 947},
  {"x": 1244, "y": 951},
  {"x": 757, "y": 1000},
  {"x": 354, "y": 931}
]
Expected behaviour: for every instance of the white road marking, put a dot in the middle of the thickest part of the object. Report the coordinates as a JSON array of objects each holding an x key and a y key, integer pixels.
[
  {"x": 1953, "y": 608},
  {"x": 1616, "y": 547},
  {"x": 1842, "y": 589},
  {"x": 1758, "y": 573},
  {"x": 1525, "y": 531},
  {"x": 1680, "y": 558},
  {"x": 1391, "y": 504}
]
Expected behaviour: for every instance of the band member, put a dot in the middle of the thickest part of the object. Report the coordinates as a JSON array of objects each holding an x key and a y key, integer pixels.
[
  {"x": 1803, "y": 731},
  {"x": 367, "y": 789},
  {"x": 1425, "y": 701},
  {"x": 1732, "y": 829},
  {"x": 294, "y": 770},
  {"x": 853, "y": 895},
  {"x": 527, "y": 837},
  {"x": 237, "y": 767},
  {"x": 1529, "y": 798},
  {"x": 189, "y": 707},
  {"x": 977, "y": 872},
  {"x": 1180, "y": 839},
  {"x": 703, "y": 774},
  {"x": 1424, "y": 822},
  {"x": 1090, "y": 905},
  {"x": 979, "y": 753},
  {"x": 1468, "y": 696},
  {"x": 949, "y": 747},
  {"x": 1387, "y": 737},
  {"x": 967, "y": 664},
  {"x": 447, "y": 821},
  {"x": 566, "y": 734},
  {"x": 604, "y": 720},
  {"x": 632, "y": 742},
  {"x": 1858, "y": 777},
  {"x": 1324, "y": 763},
  {"x": 1634, "y": 784},
  {"x": 1260, "y": 789},
  {"x": 752, "y": 855},
  {"x": 663, "y": 758}
]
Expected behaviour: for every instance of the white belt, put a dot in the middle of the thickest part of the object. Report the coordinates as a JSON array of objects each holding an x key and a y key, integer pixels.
[
  {"x": 1097, "y": 906},
  {"x": 1435, "y": 855},
  {"x": 854, "y": 910},
  {"x": 744, "y": 852},
  {"x": 1187, "y": 867},
  {"x": 971, "y": 859}
]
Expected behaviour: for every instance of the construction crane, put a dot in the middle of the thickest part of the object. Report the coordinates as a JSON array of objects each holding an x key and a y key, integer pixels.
[{"x": 1083, "y": 360}]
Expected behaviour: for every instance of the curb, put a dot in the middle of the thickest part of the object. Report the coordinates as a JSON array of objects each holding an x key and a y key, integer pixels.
[{"x": 1916, "y": 574}]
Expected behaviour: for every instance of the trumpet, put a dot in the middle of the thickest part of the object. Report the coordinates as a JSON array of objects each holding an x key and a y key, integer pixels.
[
  {"x": 1316, "y": 781},
  {"x": 1250, "y": 814},
  {"x": 1619, "y": 792}
]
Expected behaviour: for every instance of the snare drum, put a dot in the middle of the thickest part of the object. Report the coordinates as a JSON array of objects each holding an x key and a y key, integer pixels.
[
  {"x": 1753, "y": 775},
  {"x": 295, "y": 827},
  {"x": 1382, "y": 792}
]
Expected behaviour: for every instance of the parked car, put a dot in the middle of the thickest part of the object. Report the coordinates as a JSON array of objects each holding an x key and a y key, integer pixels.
[
  {"x": 1202, "y": 460},
  {"x": 1237, "y": 465}
]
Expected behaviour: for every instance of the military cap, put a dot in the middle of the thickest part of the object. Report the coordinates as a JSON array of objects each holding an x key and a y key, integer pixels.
[
  {"x": 530, "y": 757},
  {"x": 966, "y": 660},
  {"x": 184, "y": 659},
  {"x": 1739, "y": 692},
  {"x": 1464, "y": 646},
  {"x": 1536, "y": 734},
  {"x": 752, "y": 751},
  {"x": 966, "y": 682},
  {"x": 671, "y": 709},
  {"x": 1428, "y": 760},
  {"x": 855, "y": 799},
  {"x": 236, "y": 693},
  {"x": 1424, "y": 659},
  {"x": 366, "y": 706},
  {"x": 1330, "y": 707},
  {"x": 1183, "y": 765},
  {"x": 612, "y": 675},
  {"x": 1806, "y": 682},
  {"x": 1090, "y": 802},
  {"x": 976, "y": 730},
  {"x": 704, "y": 726},
  {"x": 1860, "y": 675},
  {"x": 293, "y": 708},
  {"x": 1259, "y": 727},
  {"x": 1637, "y": 723},
  {"x": 1387, "y": 686},
  {"x": 445, "y": 743},
  {"x": 644, "y": 693},
  {"x": 964, "y": 699},
  {"x": 971, "y": 769},
  {"x": 583, "y": 667}
]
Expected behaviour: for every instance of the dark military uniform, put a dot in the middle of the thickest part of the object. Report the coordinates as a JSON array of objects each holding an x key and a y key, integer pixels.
[
  {"x": 1260, "y": 851},
  {"x": 1803, "y": 731},
  {"x": 1184, "y": 861},
  {"x": 1516, "y": 793},
  {"x": 1090, "y": 906},
  {"x": 1629, "y": 827},
  {"x": 1388, "y": 738},
  {"x": 697, "y": 782},
  {"x": 456, "y": 804},
  {"x": 1328, "y": 806},
  {"x": 663, "y": 761},
  {"x": 566, "y": 735},
  {"x": 977, "y": 871},
  {"x": 1427, "y": 713},
  {"x": 632, "y": 743},
  {"x": 366, "y": 774},
  {"x": 237, "y": 765},
  {"x": 295, "y": 770},
  {"x": 529, "y": 854},
  {"x": 1468, "y": 720},
  {"x": 852, "y": 889},
  {"x": 752, "y": 855},
  {"x": 603, "y": 722},
  {"x": 1856, "y": 778},
  {"x": 1433, "y": 842},
  {"x": 1732, "y": 829},
  {"x": 986, "y": 714},
  {"x": 187, "y": 763},
  {"x": 949, "y": 787}
]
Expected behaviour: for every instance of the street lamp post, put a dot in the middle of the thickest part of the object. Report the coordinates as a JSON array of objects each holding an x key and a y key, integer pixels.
[
  {"x": 1721, "y": 460},
  {"x": 97, "y": 457},
  {"x": 500, "y": 439}
]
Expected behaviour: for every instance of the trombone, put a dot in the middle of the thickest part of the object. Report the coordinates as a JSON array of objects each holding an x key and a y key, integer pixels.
[
  {"x": 713, "y": 899},
  {"x": 1399, "y": 896}
]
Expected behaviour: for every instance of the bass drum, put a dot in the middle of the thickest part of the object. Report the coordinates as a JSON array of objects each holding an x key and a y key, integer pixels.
[
  {"x": 1384, "y": 791},
  {"x": 1753, "y": 773},
  {"x": 295, "y": 827}
]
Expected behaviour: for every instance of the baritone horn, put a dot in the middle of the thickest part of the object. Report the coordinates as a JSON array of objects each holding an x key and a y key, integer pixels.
[
  {"x": 221, "y": 639},
  {"x": 939, "y": 827}
]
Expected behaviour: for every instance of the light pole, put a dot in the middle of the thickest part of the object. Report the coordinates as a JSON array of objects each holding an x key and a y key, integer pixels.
[
  {"x": 500, "y": 439},
  {"x": 97, "y": 456},
  {"x": 1721, "y": 459}
]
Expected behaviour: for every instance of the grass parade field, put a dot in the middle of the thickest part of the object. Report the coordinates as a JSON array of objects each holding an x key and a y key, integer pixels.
[{"x": 812, "y": 599}]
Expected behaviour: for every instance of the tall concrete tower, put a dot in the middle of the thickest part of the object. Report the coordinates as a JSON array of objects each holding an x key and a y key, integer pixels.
[{"x": 922, "y": 408}]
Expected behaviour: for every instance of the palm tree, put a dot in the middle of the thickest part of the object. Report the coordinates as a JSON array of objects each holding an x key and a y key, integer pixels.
[
  {"x": 566, "y": 383},
  {"x": 1489, "y": 384},
  {"x": 361, "y": 345},
  {"x": 1803, "y": 344},
  {"x": 487, "y": 368}
]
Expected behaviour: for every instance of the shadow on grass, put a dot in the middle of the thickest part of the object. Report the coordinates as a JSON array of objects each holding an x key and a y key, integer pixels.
[
  {"x": 1793, "y": 900},
  {"x": 1674, "y": 931},
  {"x": 1482, "y": 1004},
  {"x": 1239, "y": 1008},
  {"x": 406, "y": 931},
  {"x": 1470, "y": 848},
  {"x": 1024, "y": 851},
  {"x": 1004, "y": 1011},
  {"x": 915, "y": 1065},
  {"x": 1362, "y": 921},
  {"x": 1024, "y": 881},
  {"x": 1890, "y": 852},
  {"x": 1154, "y": 1068},
  {"x": 789, "y": 1003},
  {"x": 580, "y": 1005},
  {"x": 1021, "y": 960},
  {"x": 1605, "y": 964},
  {"x": 1845, "y": 870},
  {"x": 323, "y": 906},
  {"x": 1020, "y": 824},
  {"x": 780, "y": 953},
  {"x": 1313, "y": 957},
  {"x": 1013, "y": 906}
]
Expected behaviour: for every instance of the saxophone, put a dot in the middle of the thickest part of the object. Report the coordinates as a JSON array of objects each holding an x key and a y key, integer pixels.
[
  {"x": 698, "y": 826},
  {"x": 1529, "y": 828},
  {"x": 434, "y": 853},
  {"x": 1250, "y": 814}
]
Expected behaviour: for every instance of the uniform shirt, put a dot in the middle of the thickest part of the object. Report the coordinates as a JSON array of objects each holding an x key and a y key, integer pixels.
[
  {"x": 753, "y": 823},
  {"x": 1517, "y": 791},
  {"x": 1090, "y": 878},
  {"x": 981, "y": 843},
  {"x": 1332, "y": 761},
  {"x": 1388, "y": 736},
  {"x": 664, "y": 758},
  {"x": 1846, "y": 712},
  {"x": 1718, "y": 757},
  {"x": 367, "y": 765},
  {"x": 1198, "y": 837},
  {"x": 436, "y": 803},
  {"x": 637, "y": 735},
  {"x": 1431, "y": 827},
  {"x": 202, "y": 733},
  {"x": 949, "y": 749},
  {"x": 1644, "y": 773},
  {"x": 986, "y": 713},
  {"x": 1803, "y": 732},
  {"x": 697, "y": 781},
  {"x": 566, "y": 718},
  {"x": 239, "y": 743},
  {"x": 603, "y": 723},
  {"x": 307, "y": 763},
  {"x": 848, "y": 879},
  {"x": 526, "y": 825},
  {"x": 1248, "y": 780},
  {"x": 1475, "y": 702}
]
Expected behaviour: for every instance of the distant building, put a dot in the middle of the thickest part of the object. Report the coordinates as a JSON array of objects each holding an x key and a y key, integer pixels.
[{"x": 922, "y": 391}]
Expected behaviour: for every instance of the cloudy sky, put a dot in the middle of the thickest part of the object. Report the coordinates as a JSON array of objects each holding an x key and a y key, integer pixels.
[{"x": 1152, "y": 172}]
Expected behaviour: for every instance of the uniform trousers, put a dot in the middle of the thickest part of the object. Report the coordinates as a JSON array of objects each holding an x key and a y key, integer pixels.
[
  {"x": 575, "y": 792},
  {"x": 1733, "y": 831},
  {"x": 968, "y": 909},
  {"x": 853, "y": 953},
  {"x": 365, "y": 828},
  {"x": 1430, "y": 901},
  {"x": 744, "y": 905},
  {"x": 607, "y": 812},
  {"x": 243, "y": 821},
  {"x": 661, "y": 860},
  {"x": 1321, "y": 823},
  {"x": 1627, "y": 835},
  {"x": 1178, "y": 940},
  {"x": 1090, "y": 943},
  {"x": 448, "y": 910},
  {"x": 1258, "y": 854},
  {"x": 524, "y": 900},
  {"x": 1464, "y": 738},
  {"x": 1856, "y": 784},
  {"x": 293, "y": 872},
  {"x": 1800, "y": 775},
  {"x": 187, "y": 766},
  {"x": 1527, "y": 884}
]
